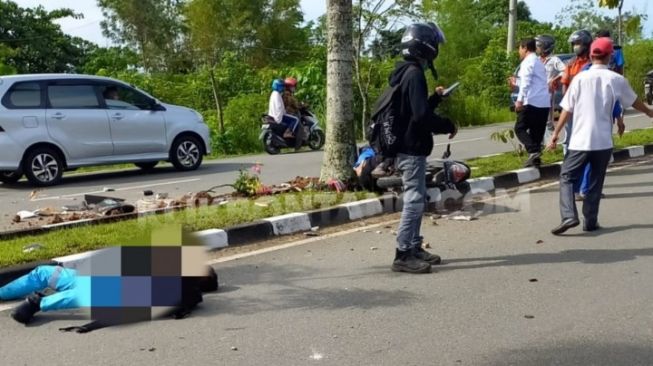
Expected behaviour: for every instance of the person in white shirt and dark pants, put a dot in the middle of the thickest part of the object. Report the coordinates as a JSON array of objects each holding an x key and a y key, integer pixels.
[
  {"x": 533, "y": 102},
  {"x": 590, "y": 100}
]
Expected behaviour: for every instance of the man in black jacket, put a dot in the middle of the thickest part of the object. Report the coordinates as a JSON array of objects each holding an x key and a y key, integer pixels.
[{"x": 420, "y": 45}]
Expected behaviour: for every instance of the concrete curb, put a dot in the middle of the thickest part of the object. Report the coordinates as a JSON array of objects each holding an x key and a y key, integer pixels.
[{"x": 293, "y": 223}]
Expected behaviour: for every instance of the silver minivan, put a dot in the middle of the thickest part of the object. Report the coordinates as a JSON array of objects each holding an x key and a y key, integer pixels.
[{"x": 50, "y": 123}]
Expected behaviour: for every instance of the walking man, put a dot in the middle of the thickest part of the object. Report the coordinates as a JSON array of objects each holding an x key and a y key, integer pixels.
[
  {"x": 590, "y": 100},
  {"x": 533, "y": 102}
]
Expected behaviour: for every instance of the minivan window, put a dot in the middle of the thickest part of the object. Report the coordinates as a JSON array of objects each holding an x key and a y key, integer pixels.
[
  {"x": 119, "y": 97},
  {"x": 72, "y": 97},
  {"x": 23, "y": 95}
]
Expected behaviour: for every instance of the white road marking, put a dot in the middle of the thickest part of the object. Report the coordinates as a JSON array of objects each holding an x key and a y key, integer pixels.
[{"x": 117, "y": 189}]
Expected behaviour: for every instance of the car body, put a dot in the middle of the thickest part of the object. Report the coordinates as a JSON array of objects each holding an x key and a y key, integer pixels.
[
  {"x": 564, "y": 57},
  {"x": 73, "y": 121}
]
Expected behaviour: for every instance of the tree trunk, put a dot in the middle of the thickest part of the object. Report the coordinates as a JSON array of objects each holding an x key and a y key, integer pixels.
[
  {"x": 620, "y": 37},
  {"x": 216, "y": 97},
  {"x": 340, "y": 149}
]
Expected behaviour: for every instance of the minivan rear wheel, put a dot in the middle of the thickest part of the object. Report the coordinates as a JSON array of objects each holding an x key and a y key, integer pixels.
[
  {"x": 186, "y": 153},
  {"x": 43, "y": 167},
  {"x": 11, "y": 177}
]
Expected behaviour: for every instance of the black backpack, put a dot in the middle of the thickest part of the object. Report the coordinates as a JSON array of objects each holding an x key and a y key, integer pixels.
[{"x": 384, "y": 133}]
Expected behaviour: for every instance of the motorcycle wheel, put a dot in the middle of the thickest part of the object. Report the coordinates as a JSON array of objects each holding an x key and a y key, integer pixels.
[
  {"x": 316, "y": 139},
  {"x": 268, "y": 145}
]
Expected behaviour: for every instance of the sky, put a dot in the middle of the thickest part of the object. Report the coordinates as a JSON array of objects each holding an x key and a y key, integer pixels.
[{"x": 89, "y": 27}]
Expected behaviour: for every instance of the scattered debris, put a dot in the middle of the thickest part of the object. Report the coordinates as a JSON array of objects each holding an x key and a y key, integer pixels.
[
  {"x": 529, "y": 316},
  {"x": 152, "y": 349},
  {"x": 161, "y": 196},
  {"x": 34, "y": 194},
  {"x": 311, "y": 233},
  {"x": 393, "y": 232},
  {"x": 533, "y": 280},
  {"x": 374, "y": 248},
  {"x": 94, "y": 200},
  {"x": 539, "y": 242},
  {"x": 148, "y": 193},
  {"x": 24, "y": 215},
  {"x": 426, "y": 245},
  {"x": 388, "y": 227},
  {"x": 366, "y": 231},
  {"x": 48, "y": 211},
  {"x": 379, "y": 232},
  {"x": 108, "y": 189},
  {"x": 315, "y": 228},
  {"x": 57, "y": 219},
  {"x": 32, "y": 247},
  {"x": 234, "y": 348}
]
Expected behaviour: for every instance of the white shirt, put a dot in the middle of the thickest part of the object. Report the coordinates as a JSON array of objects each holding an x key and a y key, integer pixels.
[
  {"x": 591, "y": 98},
  {"x": 276, "y": 108},
  {"x": 533, "y": 86},
  {"x": 554, "y": 67}
]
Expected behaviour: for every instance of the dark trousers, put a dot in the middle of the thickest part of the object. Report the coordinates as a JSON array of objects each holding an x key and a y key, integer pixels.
[
  {"x": 571, "y": 174},
  {"x": 531, "y": 126}
]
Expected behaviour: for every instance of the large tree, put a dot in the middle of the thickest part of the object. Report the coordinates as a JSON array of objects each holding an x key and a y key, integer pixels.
[
  {"x": 340, "y": 149},
  {"x": 33, "y": 43},
  {"x": 155, "y": 28}
]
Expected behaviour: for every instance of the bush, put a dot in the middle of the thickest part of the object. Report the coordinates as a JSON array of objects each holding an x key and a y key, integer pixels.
[
  {"x": 242, "y": 122},
  {"x": 639, "y": 61}
]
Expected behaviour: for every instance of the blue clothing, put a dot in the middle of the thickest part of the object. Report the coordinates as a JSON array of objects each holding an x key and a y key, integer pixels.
[
  {"x": 291, "y": 122},
  {"x": 617, "y": 58},
  {"x": 62, "y": 280},
  {"x": 366, "y": 153}
]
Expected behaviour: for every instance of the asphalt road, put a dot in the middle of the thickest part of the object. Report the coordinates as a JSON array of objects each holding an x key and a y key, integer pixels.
[
  {"x": 130, "y": 184},
  {"x": 509, "y": 293}
]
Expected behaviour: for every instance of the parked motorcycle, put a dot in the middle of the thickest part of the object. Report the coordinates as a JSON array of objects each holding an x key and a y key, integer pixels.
[
  {"x": 648, "y": 87},
  {"x": 272, "y": 133}
]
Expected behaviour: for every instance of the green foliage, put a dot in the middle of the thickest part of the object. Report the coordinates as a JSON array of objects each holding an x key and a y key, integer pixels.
[
  {"x": 36, "y": 44},
  {"x": 248, "y": 183},
  {"x": 639, "y": 61},
  {"x": 242, "y": 123}
]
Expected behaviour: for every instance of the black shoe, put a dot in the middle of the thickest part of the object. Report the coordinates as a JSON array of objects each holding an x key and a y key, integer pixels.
[
  {"x": 427, "y": 257},
  {"x": 26, "y": 310},
  {"x": 407, "y": 262},
  {"x": 590, "y": 228},
  {"x": 564, "y": 226}
]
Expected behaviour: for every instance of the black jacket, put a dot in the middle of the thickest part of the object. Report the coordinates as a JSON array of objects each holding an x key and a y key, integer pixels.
[{"x": 416, "y": 110}]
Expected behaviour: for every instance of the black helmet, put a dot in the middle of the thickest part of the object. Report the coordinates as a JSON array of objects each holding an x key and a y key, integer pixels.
[
  {"x": 422, "y": 40},
  {"x": 583, "y": 37},
  {"x": 545, "y": 42}
]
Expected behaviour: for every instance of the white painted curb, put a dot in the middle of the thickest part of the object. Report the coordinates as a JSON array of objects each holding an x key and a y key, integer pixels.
[
  {"x": 482, "y": 185},
  {"x": 365, "y": 208},
  {"x": 292, "y": 223},
  {"x": 635, "y": 151},
  {"x": 527, "y": 175},
  {"x": 212, "y": 238}
]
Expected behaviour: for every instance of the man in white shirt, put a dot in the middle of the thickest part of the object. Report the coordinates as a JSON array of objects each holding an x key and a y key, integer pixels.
[
  {"x": 590, "y": 100},
  {"x": 277, "y": 110},
  {"x": 533, "y": 102}
]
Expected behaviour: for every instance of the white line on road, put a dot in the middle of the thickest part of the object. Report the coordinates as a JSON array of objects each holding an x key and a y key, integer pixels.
[{"x": 117, "y": 189}]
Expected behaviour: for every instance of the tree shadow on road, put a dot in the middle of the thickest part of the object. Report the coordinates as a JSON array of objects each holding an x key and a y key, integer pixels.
[
  {"x": 576, "y": 353},
  {"x": 582, "y": 256},
  {"x": 270, "y": 287}
]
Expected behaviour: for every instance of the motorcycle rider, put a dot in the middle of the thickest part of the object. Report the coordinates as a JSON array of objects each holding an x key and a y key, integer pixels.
[
  {"x": 545, "y": 44},
  {"x": 419, "y": 47},
  {"x": 277, "y": 110},
  {"x": 293, "y": 107}
]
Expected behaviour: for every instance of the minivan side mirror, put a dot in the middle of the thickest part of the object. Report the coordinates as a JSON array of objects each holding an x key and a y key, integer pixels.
[{"x": 156, "y": 106}]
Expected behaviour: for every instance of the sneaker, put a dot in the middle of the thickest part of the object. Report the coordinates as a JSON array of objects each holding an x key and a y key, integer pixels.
[
  {"x": 24, "y": 312},
  {"x": 532, "y": 159},
  {"x": 564, "y": 226},
  {"x": 405, "y": 261},
  {"x": 427, "y": 257}
]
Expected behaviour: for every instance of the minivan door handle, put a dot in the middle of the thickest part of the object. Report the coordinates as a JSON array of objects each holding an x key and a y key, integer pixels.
[
  {"x": 58, "y": 115},
  {"x": 118, "y": 116}
]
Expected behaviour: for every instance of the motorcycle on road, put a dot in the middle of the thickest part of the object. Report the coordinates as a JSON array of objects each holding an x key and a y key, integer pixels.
[{"x": 272, "y": 133}]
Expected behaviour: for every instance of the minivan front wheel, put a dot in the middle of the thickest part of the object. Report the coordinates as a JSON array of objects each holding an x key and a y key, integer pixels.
[
  {"x": 43, "y": 167},
  {"x": 186, "y": 153}
]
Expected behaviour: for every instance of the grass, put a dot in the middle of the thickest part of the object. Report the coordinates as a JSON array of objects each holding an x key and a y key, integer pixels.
[
  {"x": 483, "y": 167},
  {"x": 76, "y": 240}
]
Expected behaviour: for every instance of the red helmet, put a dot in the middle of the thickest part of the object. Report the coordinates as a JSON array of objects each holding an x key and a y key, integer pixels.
[{"x": 290, "y": 82}]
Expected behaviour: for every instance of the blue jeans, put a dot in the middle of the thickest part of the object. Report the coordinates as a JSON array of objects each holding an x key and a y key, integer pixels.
[
  {"x": 413, "y": 176},
  {"x": 290, "y": 121},
  {"x": 63, "y": 280}
]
